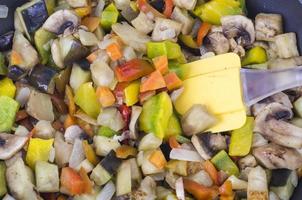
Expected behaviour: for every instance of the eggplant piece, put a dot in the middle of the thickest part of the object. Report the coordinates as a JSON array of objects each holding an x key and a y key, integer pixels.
[
  {"x": 283, "y": 183},
  {"x": 208, "y": 144},
  {"x": 111, "y": 163},
  {"x": 99, "y": 175},
  {"x": 15, "y": 73},
  {"x": 6, "y": 41},
  {"x": 166, "y": 149},
  {"x": 72, "y": 50},
  {"x": 32, "y": 16},
  {"x": 43, "y": 78},
  {"x": 159, "y": 5}
]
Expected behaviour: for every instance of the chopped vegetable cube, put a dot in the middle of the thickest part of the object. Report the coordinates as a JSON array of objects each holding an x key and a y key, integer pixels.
[
  {"x": 7, "y": 88},
  {"x": 47, "y": 177},
  {"x": 8, "y": 110},
  {"x": 153, "y": 82},
  {"x": 223, "y": 162},
  {"x": 131, "y": 93},
  {"x": 38, "y": 150}
]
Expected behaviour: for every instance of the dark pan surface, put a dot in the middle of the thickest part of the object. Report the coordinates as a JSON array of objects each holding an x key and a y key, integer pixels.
[{"x": 291, "y": 11}]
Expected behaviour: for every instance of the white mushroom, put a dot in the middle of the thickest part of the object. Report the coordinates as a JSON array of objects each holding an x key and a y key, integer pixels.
[
  {"x": 10, "y": 144},
  {"x": 60, "y": 20},
  {"x": 239, "y": 27}
]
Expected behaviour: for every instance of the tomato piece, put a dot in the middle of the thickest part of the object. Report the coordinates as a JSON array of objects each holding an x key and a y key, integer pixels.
[
  {"x": 126, "y": 113},
  {"x": 132, "y": 70}
]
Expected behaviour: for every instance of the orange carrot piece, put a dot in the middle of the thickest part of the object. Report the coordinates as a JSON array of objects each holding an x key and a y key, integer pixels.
[
  {"x": 199, "y": 191},
  {"x": 211, "y": 170},
  {"x": 114, "y": 51},
  {"x": 202, "y": 32},
  {"x": 15, "y": 58},
  {"x": 153, "y": 82},
  {"x": 226, "y": 191},
  {"x": 172, "y": 81},
  {"x": 89, "y": 153},
  {"x": 173, "y": 142},
  {"x": 158, "y": 159},
  {"x": 69, "y": 121},
  {"x": 105, "y": 96},
  {"x": 125, "y": 151},
  {"x": 91, "y": 23},
  {"x": 161, "y": 64}
]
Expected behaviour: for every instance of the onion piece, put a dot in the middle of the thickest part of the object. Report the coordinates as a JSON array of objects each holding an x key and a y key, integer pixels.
[
  {"x": 136, "y": 111},
  {"x": 111, "y": 118},
  {"x": 87, "y": 38},
  {"x": 107, "y": 192},
  {"x": 186, "y": 155},
  {"x": 22, "y": 95},
  {"x": 179, "y": 188},
  {"x": 83, "y": 116},
  {"x": 202, "y": 177},
  {"x": 77, "y": 154},
  {"x": 237, "y": 184}
]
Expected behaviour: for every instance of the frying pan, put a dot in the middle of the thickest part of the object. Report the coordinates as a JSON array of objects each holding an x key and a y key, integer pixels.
[{"x": 291, "y": 11}]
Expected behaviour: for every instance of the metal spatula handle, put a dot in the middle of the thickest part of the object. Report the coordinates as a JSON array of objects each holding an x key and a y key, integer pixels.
[{"x": 259, "y": 84}]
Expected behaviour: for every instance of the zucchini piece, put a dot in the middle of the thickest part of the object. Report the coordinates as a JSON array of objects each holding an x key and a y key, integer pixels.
[
  {"x": 43, "y": 78},
  {"x": 32, "y": 16},
  {"x": 78, "y": 77},
  {"x": 257, "y": 184},
  {"x": 3, "y": 189},
  {"x": 104, "y": 145},
  {"x": 123, "y": 179},
  {"x": 107, "y": 132},
  {"x": 42, "y": 38},
  {"x": 223, "y": 162},
  {"x": 111, "y": 163},
  {"x": 149, "y": 142},
  {"x": 47, "y": 177},
  {"x": 286, "y": 45},
  {"x": 109, "y": 16}
]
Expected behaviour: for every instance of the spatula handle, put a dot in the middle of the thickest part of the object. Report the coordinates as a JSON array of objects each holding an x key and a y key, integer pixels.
[{"x": 259, "y": 84}]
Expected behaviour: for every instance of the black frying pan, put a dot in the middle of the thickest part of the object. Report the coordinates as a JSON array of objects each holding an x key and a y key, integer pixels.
[{"x": 291, "y": 11}]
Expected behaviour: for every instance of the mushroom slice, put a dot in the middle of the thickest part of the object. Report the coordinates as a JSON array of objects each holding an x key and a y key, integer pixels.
[
  {"x": 268, "y": 26},
  {"x": 271, "y": 125},
  {"x": 280, "y": 97},
  {"x": 273, "y": 156},
  {"x": 239, "y": 27},
  {"x": 60, "y": 20},
  {"x": 217, "y": 42},
  {"x": 208, "y": 144},
  {"x": 10, "y": 144}
]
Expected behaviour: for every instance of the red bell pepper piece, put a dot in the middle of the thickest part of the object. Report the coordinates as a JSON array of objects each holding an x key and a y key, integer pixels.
[
  {"x": 199, "y": 191},
  {"x": 132, "y": 70},
  {"x": 211, "y": 170},
  {"x": 126, "y": 113},
  {"x": 153, "y": 82},
  {"x": 172, "y": 81}
]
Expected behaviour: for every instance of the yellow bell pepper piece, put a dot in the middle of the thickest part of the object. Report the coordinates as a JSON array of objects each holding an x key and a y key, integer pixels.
[
  {"x": 242, "y": 138},
  {"x": 38, "y": 149},
  {"x": 83, "y": 11},
  {"x": 7, "y": 88},
  {"x": 131, "y": 93}
]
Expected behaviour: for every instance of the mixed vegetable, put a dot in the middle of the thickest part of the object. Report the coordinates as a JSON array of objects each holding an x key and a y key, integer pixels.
[{"x": 87, "y": 89}]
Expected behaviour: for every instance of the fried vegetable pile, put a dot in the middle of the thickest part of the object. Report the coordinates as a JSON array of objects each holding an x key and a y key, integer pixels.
[{"x": 87, "y": 92}]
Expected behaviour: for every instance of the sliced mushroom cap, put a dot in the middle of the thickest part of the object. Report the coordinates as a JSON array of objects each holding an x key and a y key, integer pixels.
[
  {"x": 273, "y": 156},
  {"x": 60, "y": 20},
  {"x": 239, "y": 27},
  {"x": 280, "y": 97},
  {"x": 271, "y": 125},
  {"x": 217, "y": 42},
  {"x": 10, "y": 144},
  {"x": 208, "y": 144}
]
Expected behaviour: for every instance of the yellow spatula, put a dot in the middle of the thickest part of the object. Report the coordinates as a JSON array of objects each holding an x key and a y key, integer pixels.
[{"x": 225, "y": 89}]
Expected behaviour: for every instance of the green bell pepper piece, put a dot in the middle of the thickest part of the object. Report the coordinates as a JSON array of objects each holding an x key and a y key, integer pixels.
[
  {"x": 107, "y": 132},
  {"x": 213, "y": 10},
  {"x": 223, "y": 162},
  {"x": 86, "y": 99},
  {"x": 242, "y": 138},
  {"x": 173, "y": 128},
  {"x": 42, "y": 38},
  {"x": 7, "y": 88},
  {"x": 3, "y": 189},
  {"x": 171, "y": 49},
  {"x": 156, "y": 114},
  {"x": 8, "y": 110},
  {"x": 255, "y": 55},
  {"x": 3, "y": 69},
  {"x": 109, "y": 16},
  {"x": 179, "y": 69}
]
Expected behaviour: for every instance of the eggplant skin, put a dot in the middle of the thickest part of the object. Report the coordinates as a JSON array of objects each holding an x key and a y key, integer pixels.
[
  {"x": 42, "y": 78},
  {"x": 280, "y": 177},
  {"x": 84, "y": 64},
  {"x": 34, "y": 16},
  {"x": 16, "y": 73},
  {"x": 76, "y": 53},
  {"x": 6, "y": 41},
  {"x": 111, "y": 162}
]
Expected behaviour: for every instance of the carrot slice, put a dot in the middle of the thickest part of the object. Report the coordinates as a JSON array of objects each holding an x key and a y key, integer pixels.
[
  {"x": 114, "y": 51},
  {"x": 153, "y": 82},
  {"x": 202, "y": 32},
  {"x": 161, "y": 64},
  {"x": 158, "y": 159}
]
